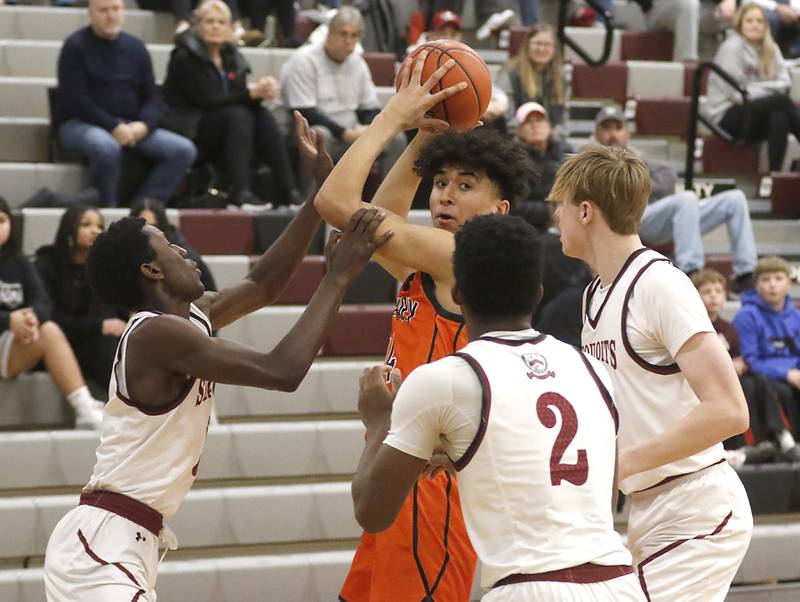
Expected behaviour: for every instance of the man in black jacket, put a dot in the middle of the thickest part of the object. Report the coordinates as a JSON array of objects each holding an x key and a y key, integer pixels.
[{"x": 109, "y": 101}]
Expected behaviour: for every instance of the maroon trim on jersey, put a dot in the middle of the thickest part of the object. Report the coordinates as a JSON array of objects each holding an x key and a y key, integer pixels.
[
  {"x": 126, "y": 507},
  {"x": 197, "y": 315},
  {"x": 117, "y": 565},
  {"x": 515, "y": 342},
  {"x": 679, "y": 476},
  {"x": 667, "y": 370},
  {"x": 486, "y": 407},
  {"x": 602, "y": 388},
  {"x": 161, "y": 409},
  {"x": 595, "y": 284},
  {"x": 429, "y": 288},
  {"x": 671, "y": 547},
  {"x": 583, "y": 573}
]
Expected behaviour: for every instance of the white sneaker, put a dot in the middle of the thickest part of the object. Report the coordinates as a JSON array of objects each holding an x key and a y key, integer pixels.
[
  {"x": 89, "y": 416},
  {"x": 495, "y": 22}
]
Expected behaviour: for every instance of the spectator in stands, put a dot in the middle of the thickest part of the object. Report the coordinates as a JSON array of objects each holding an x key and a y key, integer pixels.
[
  {"x": 182, "y": 9},
  {"x": 109, "y": 102},
  {"x": 154, "y": 213},
  {"x": 685, "y": 18},
  {"x": 92, "y": 331},
  {"x": 332, "y": 87},
  {"x": 681, "y": 218},
  {"x": 211, "y": 102},
  {"x": 784, "y": 22},
  {"x": 489, "y": 13},
  {"x": 768, "y": 326},
  {"x": 768, "y": 422},
  {"x": 536, "y": 74},
  {"x": 752, "y": 58},
  {"x": 28, "y": 336}
]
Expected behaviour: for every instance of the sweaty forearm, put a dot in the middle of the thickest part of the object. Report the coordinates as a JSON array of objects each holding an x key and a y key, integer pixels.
[{"x": 340, "y": 195}]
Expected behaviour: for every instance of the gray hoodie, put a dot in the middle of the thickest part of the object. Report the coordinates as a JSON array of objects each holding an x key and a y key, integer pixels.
[{"x": 739, "y": 58}]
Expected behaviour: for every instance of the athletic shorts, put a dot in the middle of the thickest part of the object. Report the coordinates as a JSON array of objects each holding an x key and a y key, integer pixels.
[
  {"x": 689, "y": 536},
  {"x": 97, "y": 556},
  {"x": 621, "y": 589},
  {"x": 6, "y": 340}
]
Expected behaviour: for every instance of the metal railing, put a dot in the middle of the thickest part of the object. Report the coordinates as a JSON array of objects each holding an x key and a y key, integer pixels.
[
  {"x": 695, "y": 115},
  {"x": 565, "y": 40}
]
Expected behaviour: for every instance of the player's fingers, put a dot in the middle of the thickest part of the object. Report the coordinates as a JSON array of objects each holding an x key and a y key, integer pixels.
[
  {"x": 447, "y": 93},
  {"x": 434, "y": 77},
  {"x": 405, "y": 73},
  {"x": 375, "y": 219},
  {"x": 395, "y": 379},
  {"x": 434, "y": 125},
  {"x": 382, "y": 240},
  {"x": 419, "y": 63},
  {"x": 355, "y": 220}
]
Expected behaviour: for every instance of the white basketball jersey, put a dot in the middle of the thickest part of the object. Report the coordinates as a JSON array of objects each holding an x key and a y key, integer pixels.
[
  {"x": 652, "y": 394},
  {"x": 536, "y": 482},
  {"x": 152, "y": 454}
]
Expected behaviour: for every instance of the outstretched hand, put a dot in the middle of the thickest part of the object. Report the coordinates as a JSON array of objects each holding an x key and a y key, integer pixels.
[
  {"x": 408, "y": 109},
  {"x": 311, "y": 144},
  {"x": 348, "y": 252}
]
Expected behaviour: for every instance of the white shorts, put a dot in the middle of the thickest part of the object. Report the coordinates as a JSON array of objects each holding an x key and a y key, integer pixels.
[
  {"x": 6, "y": 340},
  {"x": 621, "y": 589},
  {"x": 688, "y": 537},
  {"x": 97, "y": 556}
]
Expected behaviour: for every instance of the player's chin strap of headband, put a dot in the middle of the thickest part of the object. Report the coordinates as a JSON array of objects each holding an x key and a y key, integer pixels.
[
  {"x": 169, "y": 539},
  {"x": 428, "y": 589}
]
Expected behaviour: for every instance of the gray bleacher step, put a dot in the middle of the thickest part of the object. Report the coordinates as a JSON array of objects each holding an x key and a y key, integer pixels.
[
  {"x": 56, "y": 23},
  {"x": 19, "y": 181},
  {"x": 778, "y": 592},
  {"x": 24, "y": 138},
  {"x": 230, "y": 516},
  {"x": 232, "y": 451}
]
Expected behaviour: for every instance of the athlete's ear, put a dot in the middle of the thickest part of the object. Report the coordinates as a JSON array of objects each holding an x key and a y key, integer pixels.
[
  {"x": 152, "y": 271},
  {"x": 539, "y": 295},
  {"x": 456, "y": 294},
  {"x": 586, "y": 211},
  {"x": 504, "y": 207}
]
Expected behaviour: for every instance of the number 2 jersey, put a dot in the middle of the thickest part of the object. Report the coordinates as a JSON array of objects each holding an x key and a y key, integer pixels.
[
  {"x": 531, "y": 426},
  {"x": 152, "y": 454}
]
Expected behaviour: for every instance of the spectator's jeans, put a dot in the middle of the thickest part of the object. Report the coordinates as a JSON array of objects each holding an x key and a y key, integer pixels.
[
  {"x": 170, "y": 153},
  {"x": 685, "y": 18},
  {"x": 681, "y": 219},
  {"x": 390, "y": 154}
]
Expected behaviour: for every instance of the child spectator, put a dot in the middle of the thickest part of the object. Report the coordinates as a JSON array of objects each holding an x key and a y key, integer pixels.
[
  {"x": 27, "y": 336},
  {"x": 92, "y": 331},
  {"x": 768, "y": 326},
  {"x": 153, "y": 212},
  {"x": 767, "y": 419}
]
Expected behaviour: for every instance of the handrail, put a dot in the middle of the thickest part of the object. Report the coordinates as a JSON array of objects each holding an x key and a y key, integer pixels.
[
  {"x": 695, "y": 115},
  {"x": 564, "y": 39}
]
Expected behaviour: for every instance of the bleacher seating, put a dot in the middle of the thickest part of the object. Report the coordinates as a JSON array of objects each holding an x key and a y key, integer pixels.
[{"x": 273, "y": 493}]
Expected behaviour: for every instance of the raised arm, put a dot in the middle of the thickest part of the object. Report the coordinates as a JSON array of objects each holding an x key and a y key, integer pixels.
[
  {"x": 416, "y": 248},
  {"x": 272, "y": 271},
  {"x": 170, "y": 343}
]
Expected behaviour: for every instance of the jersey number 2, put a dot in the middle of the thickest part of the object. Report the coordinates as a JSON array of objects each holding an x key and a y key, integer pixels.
[{"x": 559, "y": 471}]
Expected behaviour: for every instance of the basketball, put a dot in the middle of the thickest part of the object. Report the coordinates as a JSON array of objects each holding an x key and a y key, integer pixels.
[{"x": 465, "y": 108}]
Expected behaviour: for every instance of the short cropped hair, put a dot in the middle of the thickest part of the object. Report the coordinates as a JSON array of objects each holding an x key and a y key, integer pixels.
[
  {"x": 114, "y": 264},
  {"x": 505, "y": 163},
  {"x": 498, "y": 265},
  {"x": 613, "y": 178},
  {"x": 708, "y": 276},
  {"x": 346, "y": 15},
  {"x": 772, "y": 263}
]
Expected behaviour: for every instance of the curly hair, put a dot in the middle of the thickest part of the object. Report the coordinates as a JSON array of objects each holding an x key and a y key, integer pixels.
[
  {"x": 498, "y": 265},
  {"x": 506, "y": 163},
  {"x": 115, "y": 261}
]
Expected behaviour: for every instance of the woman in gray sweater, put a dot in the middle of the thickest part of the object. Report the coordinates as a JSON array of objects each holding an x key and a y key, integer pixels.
[{"x": 752, "y": 58}]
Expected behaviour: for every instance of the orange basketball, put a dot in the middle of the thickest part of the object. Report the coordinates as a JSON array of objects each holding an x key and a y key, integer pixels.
[{"x": 465, "y": 108}]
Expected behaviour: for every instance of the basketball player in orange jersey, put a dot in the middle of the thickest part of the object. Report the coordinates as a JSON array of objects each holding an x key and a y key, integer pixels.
[
  {"x": 426, "y": 554},
  {"x": 678, "y": 395},
  {"x": 162, "y": 389}
]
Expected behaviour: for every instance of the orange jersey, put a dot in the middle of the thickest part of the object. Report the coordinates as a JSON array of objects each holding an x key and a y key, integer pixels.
[{"x": 406, "y": 562}]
